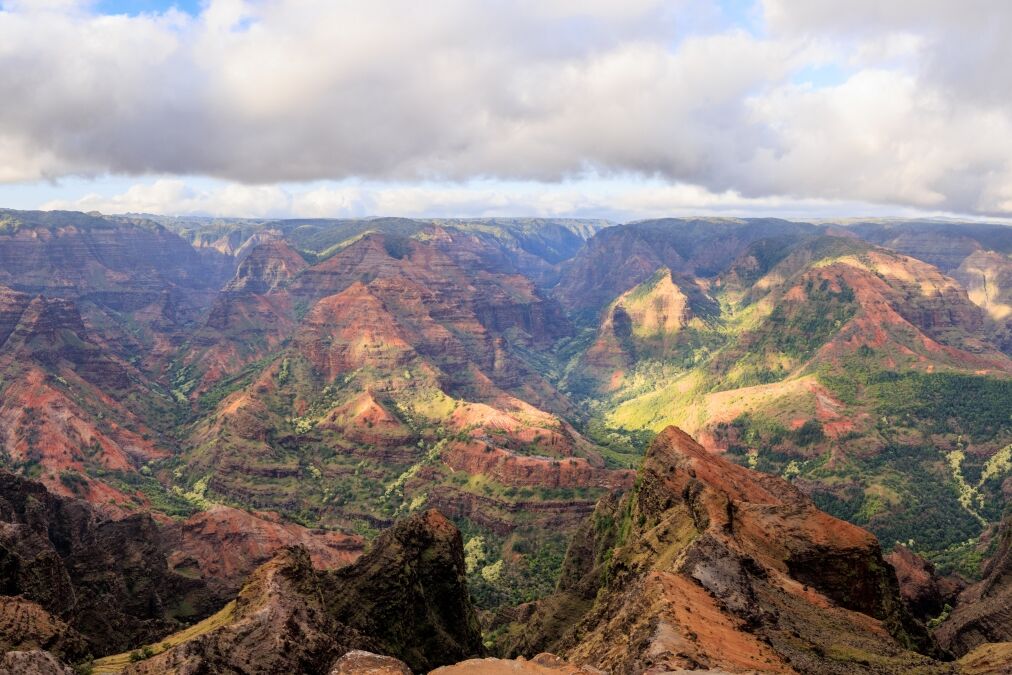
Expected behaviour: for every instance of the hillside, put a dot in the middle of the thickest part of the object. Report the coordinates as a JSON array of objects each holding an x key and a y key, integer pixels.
[{"x": 842, "y": 366}]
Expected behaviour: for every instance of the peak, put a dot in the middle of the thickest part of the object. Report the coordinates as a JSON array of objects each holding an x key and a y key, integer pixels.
[
  {"x": 675, "y": 462},
  {"x": 673, "y": 449},
  {"x": 674, "y": 438},
  {"x": 434, "y": 521},
  {"x": 430, "y": 525}
]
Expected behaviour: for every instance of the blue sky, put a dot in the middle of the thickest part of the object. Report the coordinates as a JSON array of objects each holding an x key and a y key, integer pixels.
[
  {"x": 555, "y": 107},
  {"x": 141, "y": 6}
]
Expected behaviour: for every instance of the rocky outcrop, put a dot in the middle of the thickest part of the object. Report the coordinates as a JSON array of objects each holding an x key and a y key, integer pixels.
[
  {"x": 409, "y": 594},
  {"x": 352, "y": 329},
  {"x": 50, "y": 332},
  {"x": 12, "y": 306},
  {"x": 108, "y": 580},
  {"x": 120, "y": 583},
  {"x": 716, "y": 566},
  {"x": 987, "y": 278},
  {"x": 32, "y": 662},
  {"x": 542, "y": 664},
  {"x": 277, "y": 624},
  {"x": 648, "y": 321},
  {"x": 406, "y": 597},
  {"x": 983, "y": 612},
  {"x": 359, "y": 662},
  {"x": 26, "y": 626},
  {"x": 250, "y": 318}
]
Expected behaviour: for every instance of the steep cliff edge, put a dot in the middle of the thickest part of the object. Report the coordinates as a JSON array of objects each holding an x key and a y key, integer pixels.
[{"x": 717, "y": 566}]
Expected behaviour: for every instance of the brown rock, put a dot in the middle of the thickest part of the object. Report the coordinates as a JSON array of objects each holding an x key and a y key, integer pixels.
[
  {"x": 542, "y": 664},
  {"x": 107, "y": 579},
  {"x": 358, "y": 662},
  {"x": 32, "y": 662},
  {"x": 720, "y": 567},
  {"x": 924, "y": 592},
  {"x": 224, "y": 545}
]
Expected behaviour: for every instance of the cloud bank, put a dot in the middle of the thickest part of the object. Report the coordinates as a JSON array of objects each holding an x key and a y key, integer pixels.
[{"x": 903, "y": 103}]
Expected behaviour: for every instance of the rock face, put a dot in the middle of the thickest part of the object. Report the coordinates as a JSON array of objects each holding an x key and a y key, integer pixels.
[
  {"x": 716, "y": 566},
  {"x": 983, "y": 612},
  {"x": 648, "y": 321},
  {"x": 268, "y": 267},
  {"x": 925, "y": 593},
  {"x": 987, "y": 278},
  {"x": 408, "y": 593},
  {"x": 74, "y": 581},
  {"x": 25, "y": 625},
  {"x": 109, "y": 580},
  {"x": 277, "y": 624},
  {"x": 122, "y": 264},
  {"x": 405, "y": 597}
]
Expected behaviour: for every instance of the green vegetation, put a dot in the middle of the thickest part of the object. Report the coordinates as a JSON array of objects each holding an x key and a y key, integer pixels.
[
  {"x": 505, "y": 571},
  {"x": 939, "y": 403}
]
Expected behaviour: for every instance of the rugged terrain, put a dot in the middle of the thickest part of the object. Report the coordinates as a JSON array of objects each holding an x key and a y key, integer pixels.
[
  {"x": 216, "y": 389},
  {"x": 710, "y": 565}
]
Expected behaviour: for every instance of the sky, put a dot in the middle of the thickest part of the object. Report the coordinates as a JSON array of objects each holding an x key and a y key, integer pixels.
[{"x": 618, "y": 109}]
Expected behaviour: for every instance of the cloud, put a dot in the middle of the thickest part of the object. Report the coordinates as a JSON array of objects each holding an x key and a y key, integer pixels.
[
  {"x": 620, "y": 199},
  {"x": 473, "y": 93}
]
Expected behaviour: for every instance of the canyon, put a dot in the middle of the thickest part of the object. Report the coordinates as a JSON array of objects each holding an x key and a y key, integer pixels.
[{"x": 255, "y": 410}]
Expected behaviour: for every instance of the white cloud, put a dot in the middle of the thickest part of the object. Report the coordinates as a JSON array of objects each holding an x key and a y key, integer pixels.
[
  {"x": 422, "y": 94},
  {"x": 620, "y": 198}
]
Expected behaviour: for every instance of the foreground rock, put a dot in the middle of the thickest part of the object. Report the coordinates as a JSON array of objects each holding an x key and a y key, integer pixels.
[
  {"x": 542, "y": 664},
  {"x": 358, "y": 662},
  {"x": 406, "y": 597},
  {"x": 409, "y": 595},
  {"x": 709, "y": 565}
]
